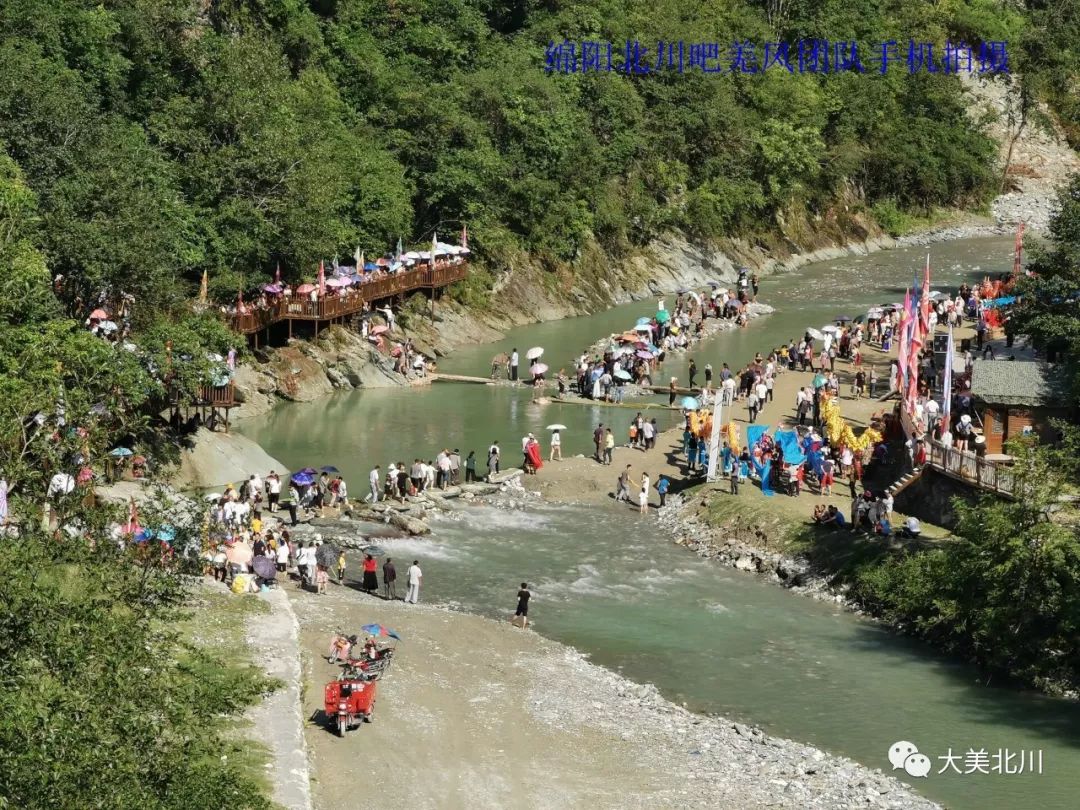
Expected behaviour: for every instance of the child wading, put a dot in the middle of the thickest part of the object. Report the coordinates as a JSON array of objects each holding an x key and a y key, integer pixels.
[{"x": 521, "y": 615}]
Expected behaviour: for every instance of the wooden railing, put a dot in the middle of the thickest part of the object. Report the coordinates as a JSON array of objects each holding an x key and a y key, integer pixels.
[
  {"x": 974, "y": 469},
  {"x": 352, "y": 300},
  {"x": 220, "y": 396}
]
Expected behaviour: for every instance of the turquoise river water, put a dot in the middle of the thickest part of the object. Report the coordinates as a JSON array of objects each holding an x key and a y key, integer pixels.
[{"x": 719, "y": 640}]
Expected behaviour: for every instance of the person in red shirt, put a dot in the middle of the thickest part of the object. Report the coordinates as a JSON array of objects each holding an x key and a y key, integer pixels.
[{"x": 371, "y": 579}]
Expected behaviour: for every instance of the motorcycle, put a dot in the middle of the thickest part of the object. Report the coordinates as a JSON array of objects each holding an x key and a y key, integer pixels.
[
  {"x": 340, "y": 647},
  {"x": 349, "y": 702},
  {"x": 376, "y": 667}
]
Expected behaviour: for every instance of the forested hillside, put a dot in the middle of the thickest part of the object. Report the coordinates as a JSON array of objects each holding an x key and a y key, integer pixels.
[{"x": 161, "y": 138}]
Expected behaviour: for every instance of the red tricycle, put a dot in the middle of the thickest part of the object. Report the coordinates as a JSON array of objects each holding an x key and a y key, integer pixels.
[{"x": 349, "y": 702}]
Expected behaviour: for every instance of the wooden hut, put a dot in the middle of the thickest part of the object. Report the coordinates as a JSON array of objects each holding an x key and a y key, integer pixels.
[{"x": 1016, "y": 398}]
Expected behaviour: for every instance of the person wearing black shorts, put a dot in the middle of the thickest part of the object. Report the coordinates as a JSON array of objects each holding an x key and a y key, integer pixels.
[{"x": 523, "y": 605}]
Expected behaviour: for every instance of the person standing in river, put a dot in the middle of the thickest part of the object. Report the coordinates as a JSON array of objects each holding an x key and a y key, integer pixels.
[
  {"x": 470, "y": 467},
  {"x": 643, "y": 496},
  {"x": 389, "y": 579},
  {"x": 672, "y": 392},
  {"x": 692, "y": 372},
  {"x": 514, "y": 365},
  {"x": 523, "y": 605},
  {"x": 493, "y": 458}
]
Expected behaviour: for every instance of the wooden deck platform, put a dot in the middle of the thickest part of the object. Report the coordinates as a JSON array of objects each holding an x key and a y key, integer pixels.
[{"x": 299, "y": 308}]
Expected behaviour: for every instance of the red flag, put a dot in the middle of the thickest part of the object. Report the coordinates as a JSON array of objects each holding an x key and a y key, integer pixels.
[
  {"x": 322, "y": 279},
  {"x": 464, "y": 236},
  {"x": 924, "y": 303}
]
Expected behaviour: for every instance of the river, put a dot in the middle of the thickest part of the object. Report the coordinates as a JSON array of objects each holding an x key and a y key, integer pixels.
[{"x": 718, "y": 640}]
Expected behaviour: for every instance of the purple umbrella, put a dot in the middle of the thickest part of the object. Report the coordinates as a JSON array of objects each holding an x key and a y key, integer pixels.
[
  {"x": 272, "y": 288},
  {"x": 645, "y": 355}
]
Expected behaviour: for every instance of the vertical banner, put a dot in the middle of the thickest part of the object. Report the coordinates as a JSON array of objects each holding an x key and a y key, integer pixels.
[{"x": 714, "y": 439}]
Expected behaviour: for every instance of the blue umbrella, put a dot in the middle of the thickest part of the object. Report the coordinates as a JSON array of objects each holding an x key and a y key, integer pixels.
[
  {"x": 120, "y": 452},
  {"x": 379, "y": 630},
  {"x": 330, "y": 468},
  {"x": 690, "y": 403},
  {"x": 309, "y": 471},
  {"x": 303, "y": 479}
]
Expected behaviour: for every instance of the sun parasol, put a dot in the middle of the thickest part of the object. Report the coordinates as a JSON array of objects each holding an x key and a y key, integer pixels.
[
  {"x": 556, "y": 427},
  {"x": 537, "y": 369},
  {"x": 330, "y": 468},
  {"x": 305, "y": 288},
  {"x": 683, "y": 290},
  {"x": 642, "y": 327},
  {"x": 714, "y": 284},
  {"x": 379, "y": 630},
  {"x": 644, "y": 355},
  {"x": 272, "y": 288},
  {"x": 815, "y": 334},
  {"x": 107, "y": 326},
  {"x": 829, "y": 328},
  {"x": 120, "y": 451},
  {"x": 623, "y": 375},
  {"x": 534, "y": 352},
  {"x": 326, "y": 555},
  {"x": 338, "y": 281},
  {"x": 239, "y": 553},
  {"x": 303, "y": 479},
  {"x": 690, "y": 403},
  {"x": 662, "y": 316},
  {"x": 842, "y": 318},
  {"x": 99, "y": 315},
  {"x": 213, "y": 496},
  {"x": 379, "y": 330},
  {"x": 264, "y": 567},
  {"x": 643, "y": 320},
  {"x": 819, "y": 381}
]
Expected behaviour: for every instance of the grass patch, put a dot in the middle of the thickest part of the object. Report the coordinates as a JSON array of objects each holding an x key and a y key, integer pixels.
[{"x": 217, "y": 654}]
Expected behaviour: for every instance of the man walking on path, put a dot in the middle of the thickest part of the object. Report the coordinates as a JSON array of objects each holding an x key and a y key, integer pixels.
[
  {"x": 414, "y": 575},
  {"x": 623, "y": 493},
  {"x": 389, "y": 578},
  {"x": 514, "y": 365}
]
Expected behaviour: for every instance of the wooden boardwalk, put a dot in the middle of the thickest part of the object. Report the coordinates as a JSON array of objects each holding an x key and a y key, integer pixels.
[{"x": 333, "y": 308}]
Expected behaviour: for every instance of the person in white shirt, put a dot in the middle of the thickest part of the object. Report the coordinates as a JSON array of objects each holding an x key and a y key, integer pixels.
[
  {"x": 762, "y": 391},
  {"x": 414, "y": 576},
  {"x": 728, "y": 387},
  {"x": 556, "y": 446},
  {"x": 273, "y": 490},
  {"x": 374, "y": 479},
  {"x": 514, "y": 365}
]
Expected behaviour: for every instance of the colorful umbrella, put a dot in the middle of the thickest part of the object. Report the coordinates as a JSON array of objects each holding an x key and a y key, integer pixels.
[
  {"x": 99, "y": 315},
  {"x": 330, "y": 468},
  {"x": 829, "y": 328},
  {"x": 623, "y": 375},
  {"x": 534, "y": 352},
  {"x": 338, "y": 281},
  {"x": 643, "y": 327},
  {"x": 305, "y": 288},
  {"x": 643, "y": 320},
  {"x": 556, "y": 427},
  {"x": 644, "y": 355},
  {"x": 663, "y": 316},
  {"x": 119, "y": 452},
  {"x": 379, "y": 630},
  {"x": 272, "y": 288},
  {"x": 303, "y": 479},
  {"x": 537, "y": 369},
  {"x": 690, "y": 403},
  {"x": 819, "y": 381}
]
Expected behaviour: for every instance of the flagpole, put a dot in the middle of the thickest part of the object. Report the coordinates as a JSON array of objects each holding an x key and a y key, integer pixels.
[{"x": 714, "y": 438}]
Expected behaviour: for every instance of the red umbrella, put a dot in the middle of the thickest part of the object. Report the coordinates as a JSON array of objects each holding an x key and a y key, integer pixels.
[
  {"x": 305, "y": 288},
  {"x": 379, "y": 330},
  {"x": 99, "y": 315}
]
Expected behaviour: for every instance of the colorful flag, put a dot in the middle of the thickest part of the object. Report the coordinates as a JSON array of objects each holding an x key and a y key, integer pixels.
[
  {"x": 322, "y": 278},
  {"x": 465, "y": 236},
  {"x": 946, "y": 404},
  {"x": 924, "y": 303}
]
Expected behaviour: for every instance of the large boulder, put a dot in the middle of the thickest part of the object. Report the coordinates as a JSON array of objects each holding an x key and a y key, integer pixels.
[
  {"x": 215, "y": 459},
  {"x": 300, "y": 378}
]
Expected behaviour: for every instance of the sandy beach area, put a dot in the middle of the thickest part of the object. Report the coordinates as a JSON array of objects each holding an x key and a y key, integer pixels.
[{"x": 475, "y": 713}]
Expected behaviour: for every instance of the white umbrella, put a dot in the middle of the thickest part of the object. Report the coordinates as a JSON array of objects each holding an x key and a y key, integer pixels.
[
  {"x": 830, "y": 328},
  {"x": 815, "y": 334},
  {"x": 534, "y": 352},
  {"x": 643, "y": 328},
  {"x": 213, "y": 496},
  {"x": 556, "y": 427},
  {"x": 537, "y": 369},
  {"x": 695, "y": 296}
]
